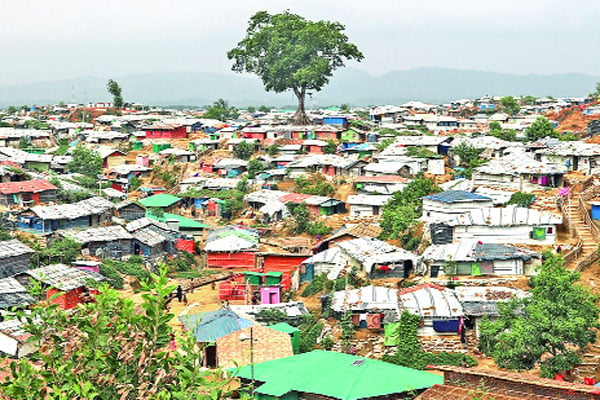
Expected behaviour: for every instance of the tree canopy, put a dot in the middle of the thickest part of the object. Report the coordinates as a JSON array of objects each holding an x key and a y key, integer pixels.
[
  {"x": 510, "y": 105},
  {"x": 540, "y": 129},
  {"x": 289, "y": 52},
  {"x": 221, "y": 110},
  {"x": 403, "y": 209},
  {"x": 548, "y": 328},
  {"x": 115, "y": 90},
  {"x": 86, "y": 162},
  {"x": 243, "y": 150}
]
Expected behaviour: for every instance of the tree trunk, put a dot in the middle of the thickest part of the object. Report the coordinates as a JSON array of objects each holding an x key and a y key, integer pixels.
[{"x": 300, "y": 118}]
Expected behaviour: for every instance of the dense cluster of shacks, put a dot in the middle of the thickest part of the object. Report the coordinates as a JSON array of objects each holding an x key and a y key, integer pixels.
[{"x": 474, "y": 243}]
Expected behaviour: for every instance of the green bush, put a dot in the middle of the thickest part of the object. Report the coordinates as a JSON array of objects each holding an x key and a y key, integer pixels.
[
  {"x": 521, "y": 199},
  {"x": 129, "y": 268},
  {"x": 411, "y": 355},
  {"x": 114, "y": 278}
]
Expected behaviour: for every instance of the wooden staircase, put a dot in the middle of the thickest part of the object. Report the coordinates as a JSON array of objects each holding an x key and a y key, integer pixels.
[{"x": 576, "y": 213}]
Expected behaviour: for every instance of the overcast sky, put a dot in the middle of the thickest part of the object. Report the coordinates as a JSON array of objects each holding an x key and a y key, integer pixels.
[{"x": 58, "y": 39}]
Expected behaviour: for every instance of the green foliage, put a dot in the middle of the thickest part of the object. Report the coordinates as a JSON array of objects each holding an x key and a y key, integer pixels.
[
  {"x": 135, "y": 183},
  {"x": 251, "y": 109},
  {"x": 521, "y": 199},
  {"x": 4, "y": 235},
  {"x": 114, "y": 278},
  {"x": 528, "y": 100},
  {"x": 347, "y": 331},
  {"x": 540, "y": 129},
  {"x": 300, "y": 216},
  {"x": 131, "y": 267},
  {"x": 109, "y": 350},
  {"x": 549, "y": 328},
  {"x": 221, "y": 110},
  {"x": 403, "y": 209},
  {"x": 384, "y": 144},
  {"x": 310, "y": 330},
  {"x": 502, "y": 134},
  {"x": 467, "y": 153},
  {"x": 410, "y": 354},
  {"x": 322, "y": 284},
  {"x": 272, "y": 316},
  {"x": 288, "y": 51},
  {"x": 255, "y": 167},
  {"x": 156, "y": 212},
  {"x": 64, "y": 250},
  {"x": 274, "y": 149},
  {"x": 316, "y": 184},
  {"x": 264, "y": 109},
  {"x": 421, "y": 152},
  {"x": 327, "y": 343},
  {"x": 330, "y": 148},
  {"x": 115, "y": 90},
  {"x": 86, "y": 162},
  {"x": 243, "y": 150},
  {"x": 510, "y": 105}
]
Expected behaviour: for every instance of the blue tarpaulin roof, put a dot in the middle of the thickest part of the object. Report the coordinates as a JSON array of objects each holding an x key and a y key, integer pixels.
[
  {"x": 453, "y": 196},
  {"x": 209, "y": 326}
]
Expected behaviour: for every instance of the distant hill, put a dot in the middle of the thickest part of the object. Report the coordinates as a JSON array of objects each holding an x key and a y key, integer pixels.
[{"x": 435, "y": 85}]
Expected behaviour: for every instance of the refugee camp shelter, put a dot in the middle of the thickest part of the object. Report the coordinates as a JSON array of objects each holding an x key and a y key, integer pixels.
[
  {"x": 27, "y": 193},
  {"x": 510, "y": 224},
  {"x": 80, "y": 215},
  {"x": 367, "y": 304},
  {"x": 14, "y": 339},
  {"x": 293, "y": 333},
  {"x": 104, "y": 241},
  {"x": 15, "y": 257},
  {"x": 379, "y": 259},
  {"x": 255, "y": 343},
  {"x": 209, "y": 326},
  {"x": 474, "y": 258},
  {"x": 162, "y": 200},
  {"x": 231, "y": 247},
  {"x": 483, "y": 383},
  {"x": 332, "y": 375},
  {"x": 13, "y": 294},
  {"x": 450, "y": 202},
  {"x": 73, "y": 282},
  {"x": 437, "y": 305}
]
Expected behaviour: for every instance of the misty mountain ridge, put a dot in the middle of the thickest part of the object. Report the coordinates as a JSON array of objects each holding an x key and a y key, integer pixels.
[{"x": 351, "y": 86}]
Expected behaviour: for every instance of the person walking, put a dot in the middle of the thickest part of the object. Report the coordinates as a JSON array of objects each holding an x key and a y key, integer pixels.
[{"x": 179, "y": 293}]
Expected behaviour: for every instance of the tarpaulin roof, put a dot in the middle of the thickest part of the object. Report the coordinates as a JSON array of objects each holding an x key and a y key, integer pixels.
[
  {"x": 455, "y": 196},
  {"x": 160, "y": 200},
  {"x": 209, "y": 326},
  {"x": 33, "y": 186},
  {"x": 336, "y": 375}
]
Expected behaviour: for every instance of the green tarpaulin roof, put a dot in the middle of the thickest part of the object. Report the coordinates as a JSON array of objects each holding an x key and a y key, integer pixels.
[
  {"x": 160, "y": 200},
  {"x": 283, "y": 327},
  {"x": 184, "y": 222},
  {"x": 337, "y": 375}
]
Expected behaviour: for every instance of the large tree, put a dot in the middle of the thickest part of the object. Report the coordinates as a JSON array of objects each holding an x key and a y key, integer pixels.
[
  {"x": 549, "y": 328},
  {"x": 115, "y": 90},
  {"x": 85, "y": 161},
  {"x": 288, "y": 51}
]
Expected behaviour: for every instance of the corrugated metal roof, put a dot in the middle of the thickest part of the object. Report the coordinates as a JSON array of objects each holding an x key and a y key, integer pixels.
[
  {"x": 430, "y": 301},
  {"x": 64, "y": 277},
  {"x": 13, "y": 248},
  {"x": 455, "y": 196},
  {"x": 100, "y": 234},
  {"x": 91, "y": 206},
  {"x": 366, "y": 298},
  {"x": 506, "y": 216}
]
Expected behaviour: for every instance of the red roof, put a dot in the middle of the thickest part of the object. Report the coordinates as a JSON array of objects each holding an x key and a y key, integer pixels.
[
  {"x": 35, "y": 186},
  {"x": 382, "y": 179},
  {"x": 295, "y": 198}
]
